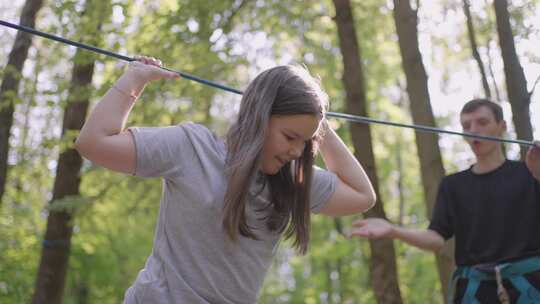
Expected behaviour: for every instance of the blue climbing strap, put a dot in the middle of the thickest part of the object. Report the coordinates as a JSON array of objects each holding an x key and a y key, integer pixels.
[{"x": 513, "y": 271}]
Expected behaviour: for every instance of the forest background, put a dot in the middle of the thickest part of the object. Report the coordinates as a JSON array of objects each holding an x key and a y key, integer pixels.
[{"x": 72, "y": 232}]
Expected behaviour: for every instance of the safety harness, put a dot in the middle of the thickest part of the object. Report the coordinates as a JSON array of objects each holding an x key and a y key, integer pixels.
[{"x": 512, "y": 271}]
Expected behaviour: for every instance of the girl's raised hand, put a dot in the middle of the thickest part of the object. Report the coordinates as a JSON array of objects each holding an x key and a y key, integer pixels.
[{"x": 145, "y": 69}]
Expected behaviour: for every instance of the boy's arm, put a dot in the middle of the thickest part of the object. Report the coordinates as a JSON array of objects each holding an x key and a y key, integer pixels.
[{"x": 376, "y": 228}]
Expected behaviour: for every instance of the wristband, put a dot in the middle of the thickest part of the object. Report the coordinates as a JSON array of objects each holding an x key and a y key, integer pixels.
[{"x": 125, "y": 93}]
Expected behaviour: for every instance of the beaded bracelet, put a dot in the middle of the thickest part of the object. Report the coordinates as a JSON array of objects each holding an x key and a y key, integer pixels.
[{"x": 125, "y": 93}]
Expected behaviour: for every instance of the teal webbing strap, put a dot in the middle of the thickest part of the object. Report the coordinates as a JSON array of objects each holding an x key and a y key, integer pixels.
[
  {"x": 472, "y": 287},
  {"x": 474, "y": 276},
  {"x": 512, "y": 271},
  {"x": 527, "y": 293},
  {"x": 520, "y": 267}
]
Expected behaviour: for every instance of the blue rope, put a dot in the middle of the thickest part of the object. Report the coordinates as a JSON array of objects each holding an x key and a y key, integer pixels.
[{"x": 349, "y": 117}]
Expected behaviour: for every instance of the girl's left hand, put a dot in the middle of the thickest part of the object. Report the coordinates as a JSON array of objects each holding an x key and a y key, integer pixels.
[{"x": 145, "y": 69}]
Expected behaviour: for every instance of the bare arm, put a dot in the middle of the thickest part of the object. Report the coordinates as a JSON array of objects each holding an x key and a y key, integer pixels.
[
  {"x": 425, "y": 239},
  {"x": 354, "y": 193},
  {"x": 103, "y": 139},
  {"x": 376, "y": 228}
]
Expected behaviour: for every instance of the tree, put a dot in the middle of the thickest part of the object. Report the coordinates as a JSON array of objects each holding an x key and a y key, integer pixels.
[
  {"x": 474, "y": 47},
  {"x": 383, "y": 268},
  {"x": 516, "y": 83},
  {"x": 429, "y": 154},
  {"x": 10, "y": 84},
  {"x": 53, "y": 265}
]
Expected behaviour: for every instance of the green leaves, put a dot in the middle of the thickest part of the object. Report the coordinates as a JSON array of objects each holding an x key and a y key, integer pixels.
[{"x": 229, "y": 42}]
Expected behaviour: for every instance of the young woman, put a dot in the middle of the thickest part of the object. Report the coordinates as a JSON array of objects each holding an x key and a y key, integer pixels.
[{"x": 226, "y": 202}]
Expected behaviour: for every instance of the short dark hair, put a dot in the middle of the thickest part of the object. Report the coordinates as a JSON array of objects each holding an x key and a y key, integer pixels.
[{"x": 474, "y": 104}]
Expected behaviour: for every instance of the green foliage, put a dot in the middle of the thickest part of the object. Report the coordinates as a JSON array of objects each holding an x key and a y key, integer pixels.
[{"x": 228, "y": 42}]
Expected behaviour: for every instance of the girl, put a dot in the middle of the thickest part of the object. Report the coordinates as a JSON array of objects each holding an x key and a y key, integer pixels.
[{"x": 226, "y": 202}]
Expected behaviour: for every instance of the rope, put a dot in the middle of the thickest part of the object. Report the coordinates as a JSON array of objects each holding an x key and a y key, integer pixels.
[{"x": 348, "y": 117}]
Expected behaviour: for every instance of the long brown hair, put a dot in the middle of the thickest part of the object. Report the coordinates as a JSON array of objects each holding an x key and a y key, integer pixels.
[{"x": 282, "y": 90}]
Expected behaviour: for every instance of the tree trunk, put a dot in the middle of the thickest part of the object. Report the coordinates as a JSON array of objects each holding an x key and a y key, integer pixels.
[
  {"x": 474, "y": 47},
  {"x": 401, "y": 195},
  {"x": 10, "y": 84},
  {"x": 57, "y": 241},
  {"x": 516, "y": 83},
  {"x": 429, "y": 154},
  {"x": 490, "y": 59},
  {"x": 383, "y": 268},
  {"x": 53, "y": 265}
]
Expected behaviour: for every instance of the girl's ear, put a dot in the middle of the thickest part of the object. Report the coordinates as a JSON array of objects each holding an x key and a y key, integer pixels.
[{"x": 503, "y": 125}]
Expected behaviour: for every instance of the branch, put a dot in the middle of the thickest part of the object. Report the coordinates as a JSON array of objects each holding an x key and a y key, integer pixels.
[
  {"x": 534, "y": 86},
  {"x": 227, "y": 23}
]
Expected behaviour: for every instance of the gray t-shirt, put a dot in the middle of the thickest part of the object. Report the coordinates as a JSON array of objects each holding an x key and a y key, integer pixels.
[{"x": 193, "y": 260}]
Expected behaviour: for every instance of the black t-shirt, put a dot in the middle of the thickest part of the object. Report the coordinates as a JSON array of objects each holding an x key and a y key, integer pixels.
[{"x": 494, "y": 216}]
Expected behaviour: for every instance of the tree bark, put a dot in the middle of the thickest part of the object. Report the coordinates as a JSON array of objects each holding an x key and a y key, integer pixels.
[
  {"x": 474, "y": 47},
  {"x": 51, "y": 276},
  {"x": 10, "y": 84},
  {"x": 516, "y": 83},
  {"x": 383, "y": 268},
  {"x": 429, "y": 154},
  {"x": 53, "y": 265}
]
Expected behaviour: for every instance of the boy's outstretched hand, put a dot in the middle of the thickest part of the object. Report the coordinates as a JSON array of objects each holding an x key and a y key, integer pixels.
[{"x": 372, "y": 228}]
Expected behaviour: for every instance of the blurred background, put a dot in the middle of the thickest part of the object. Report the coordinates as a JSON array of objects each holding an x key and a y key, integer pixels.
[{"x": 75, "y": 233}]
